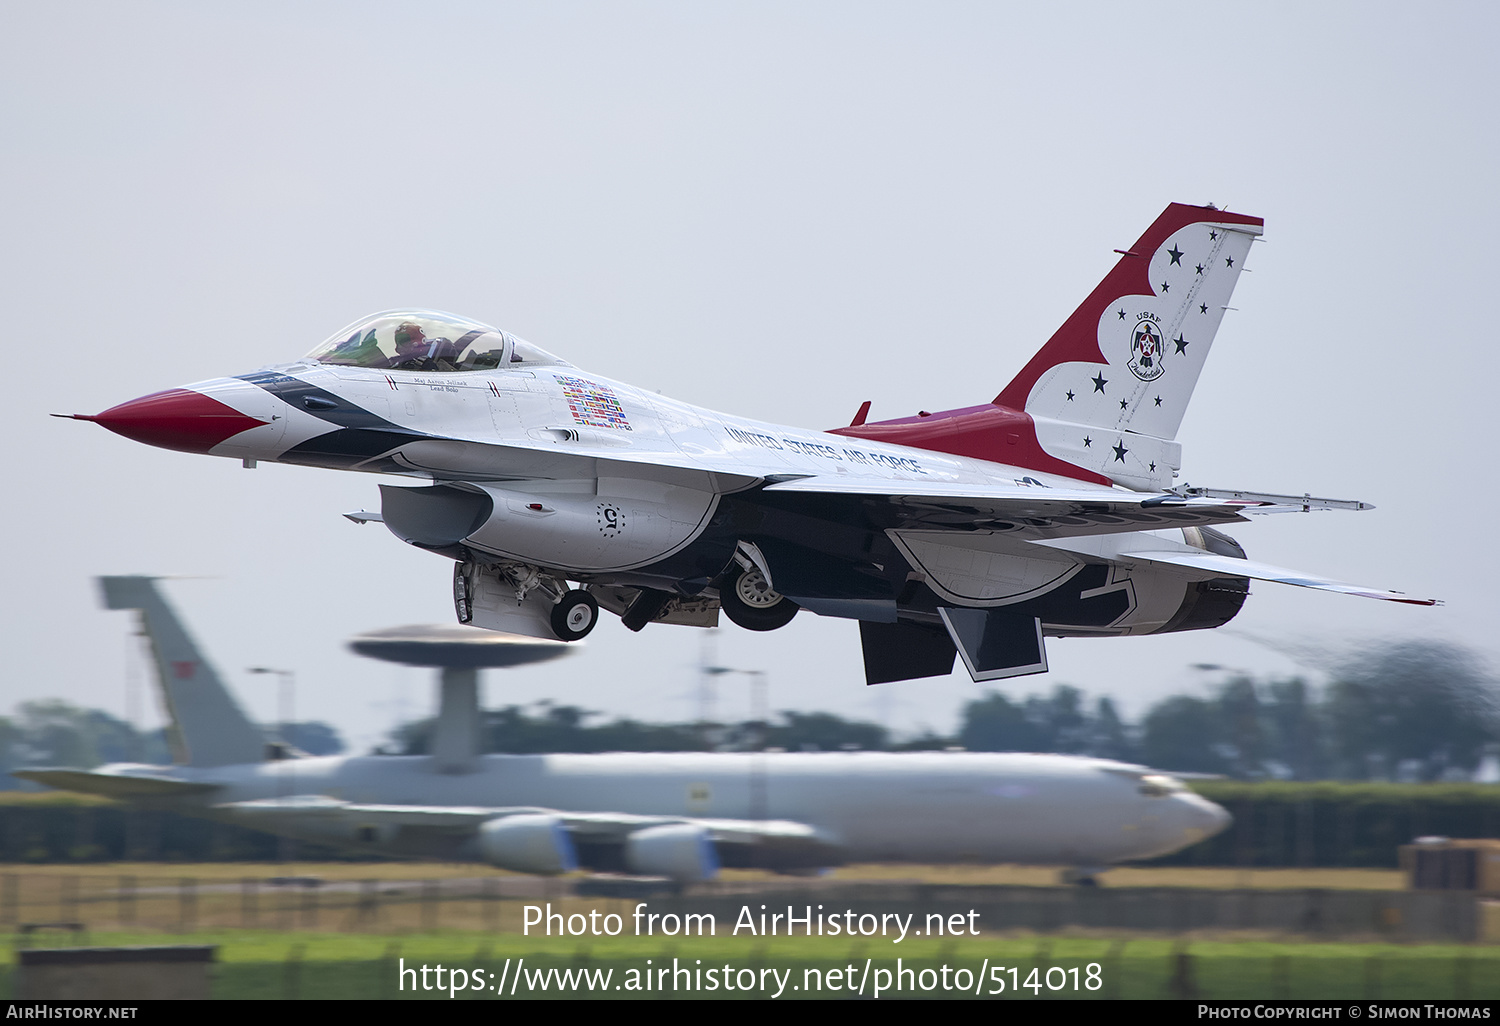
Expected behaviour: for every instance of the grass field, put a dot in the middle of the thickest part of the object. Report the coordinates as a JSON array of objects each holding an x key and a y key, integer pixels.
[
  {"x": 396, "y": 897},
  {"x": 349, "y": 936},
  {"x": 366, "y": 966},
  {"x": 1033, "y": 876},
  {"x": 1137, "y": 876}
]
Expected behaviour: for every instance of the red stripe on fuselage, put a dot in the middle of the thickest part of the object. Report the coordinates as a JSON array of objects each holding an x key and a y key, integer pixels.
[{"x": 988, "y": 432}]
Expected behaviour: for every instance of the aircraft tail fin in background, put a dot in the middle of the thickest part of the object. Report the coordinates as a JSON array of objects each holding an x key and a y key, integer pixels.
[
  {"x": 210, "y": 728},
  {"x": 1121, "y": 369}
]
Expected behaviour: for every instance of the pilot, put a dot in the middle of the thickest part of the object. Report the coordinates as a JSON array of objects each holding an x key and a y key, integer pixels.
[{"x": 412, "y": 347}]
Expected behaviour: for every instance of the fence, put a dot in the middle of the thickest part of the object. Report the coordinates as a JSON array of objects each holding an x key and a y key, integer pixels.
[
  {"x": 184, "y": 905},
  {"x": 1186, "y": 971}
]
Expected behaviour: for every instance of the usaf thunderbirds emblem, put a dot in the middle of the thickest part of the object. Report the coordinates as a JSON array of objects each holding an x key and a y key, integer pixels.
[{"x": 1146, "y": 350}]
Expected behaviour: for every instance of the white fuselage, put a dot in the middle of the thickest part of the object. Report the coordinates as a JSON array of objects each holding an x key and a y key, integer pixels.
[
  {"x": 534, "y": 411},
  {"x": 584, "y": 496}
]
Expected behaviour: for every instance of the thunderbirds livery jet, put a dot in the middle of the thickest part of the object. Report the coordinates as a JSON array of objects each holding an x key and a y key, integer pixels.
[
  {"x": 678, "y": 815},
  {"x": 975, "y": 532}
]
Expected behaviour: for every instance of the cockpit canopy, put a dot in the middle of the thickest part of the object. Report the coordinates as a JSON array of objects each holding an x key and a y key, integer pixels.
[
  {"x": 427, "y": 340},
  {"x": 1159, "y": 785}
]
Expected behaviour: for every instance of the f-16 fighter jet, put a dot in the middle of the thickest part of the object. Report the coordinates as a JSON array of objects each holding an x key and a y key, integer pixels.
[{"x": 977, "y": 532}]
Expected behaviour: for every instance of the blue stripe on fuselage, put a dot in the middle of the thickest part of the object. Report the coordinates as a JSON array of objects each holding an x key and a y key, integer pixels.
[{"x": 362, "y": 435}]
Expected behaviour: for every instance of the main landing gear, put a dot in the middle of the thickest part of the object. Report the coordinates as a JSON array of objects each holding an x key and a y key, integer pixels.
[
  {"x": 750, "y": 603},
  {"x": 1081, "y": 876}
]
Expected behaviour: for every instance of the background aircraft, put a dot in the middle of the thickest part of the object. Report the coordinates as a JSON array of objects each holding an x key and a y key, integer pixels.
[
  {"x": 973, "y": 531},
  {"x": 674, "y": 815}
]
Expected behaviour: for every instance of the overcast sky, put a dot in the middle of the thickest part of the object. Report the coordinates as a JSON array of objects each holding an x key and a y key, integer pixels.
[{"x": 773, "y": 209}]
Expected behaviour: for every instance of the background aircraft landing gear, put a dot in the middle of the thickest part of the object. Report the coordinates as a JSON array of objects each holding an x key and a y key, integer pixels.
[
  {"x": 1081, "y": 876},
  {"x": 574, "y": 615},
  {"x": 750, "y": 603}
]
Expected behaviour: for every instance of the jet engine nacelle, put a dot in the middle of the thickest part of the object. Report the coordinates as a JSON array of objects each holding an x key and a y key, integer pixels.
[
  {"x": 1215, "y": 602},
  {"x": 528, "y": 844},
  {"x": 678, "y": 851},
  {"x": 1149, "y": 600},
  {"x": 588, "y": 526}
]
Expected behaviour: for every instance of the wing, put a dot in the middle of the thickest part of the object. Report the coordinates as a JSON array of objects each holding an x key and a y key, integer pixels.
[
  {"x": 1051, "y": 516},
  {"x": 1272, "y": 502},
  {"x": 601, "y": 838},
  {"x": 765, "y": 841},
  {"x": 1027, "y": 506},
  {"x": 471, "y": 460}
]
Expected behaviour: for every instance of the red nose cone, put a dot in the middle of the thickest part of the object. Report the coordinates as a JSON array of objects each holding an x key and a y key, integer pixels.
[{"x": 176, "y": 419}]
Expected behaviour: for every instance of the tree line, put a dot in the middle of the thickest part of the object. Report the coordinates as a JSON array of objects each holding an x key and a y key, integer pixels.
[
  {"x": 52, "y": 732},
  {"x": 1416, "y": 710}
]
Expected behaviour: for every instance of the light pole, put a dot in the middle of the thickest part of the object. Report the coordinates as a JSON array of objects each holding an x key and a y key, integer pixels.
[
  {"x": 706, "y": 673},
  {"x": 135, "y": 656},
  {"x": 283, "y": 704},
  {"x": 760, "y": 718},
  {"x": 285, "y": 775}
]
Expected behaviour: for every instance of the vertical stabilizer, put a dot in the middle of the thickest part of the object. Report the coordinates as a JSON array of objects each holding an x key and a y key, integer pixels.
[
  {"x": 211, "y": 728},
  {"x": 1109, "y": 389},
  {"x": 1103, "y": 399}
]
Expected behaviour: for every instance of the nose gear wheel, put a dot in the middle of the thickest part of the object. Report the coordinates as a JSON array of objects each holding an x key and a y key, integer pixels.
[{"x": 574, "y": 615}]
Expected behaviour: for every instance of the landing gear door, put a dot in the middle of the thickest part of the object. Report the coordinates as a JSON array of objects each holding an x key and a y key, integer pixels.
[{"x": 482, "y": 598}]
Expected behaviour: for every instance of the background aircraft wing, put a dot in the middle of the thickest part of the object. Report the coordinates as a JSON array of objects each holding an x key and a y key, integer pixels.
[
  {"x": 615, "y": 825},
  {"x": 425, "y": 829}
]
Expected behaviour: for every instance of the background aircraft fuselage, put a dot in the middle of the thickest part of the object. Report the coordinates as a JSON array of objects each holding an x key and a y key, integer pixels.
[{"x": 870, "y": 806}]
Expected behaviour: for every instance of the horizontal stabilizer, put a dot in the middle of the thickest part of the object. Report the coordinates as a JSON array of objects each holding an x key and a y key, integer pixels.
[
  {"x": 1204, "y": 566},
  {"x": 113, "y": 785},
  {"x": 316, "y": 807}
]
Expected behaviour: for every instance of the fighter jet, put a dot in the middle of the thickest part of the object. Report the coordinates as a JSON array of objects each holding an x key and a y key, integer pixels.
[
  {"x": 680, "y": 816},
  {"x": 1049, "y": 510}
]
